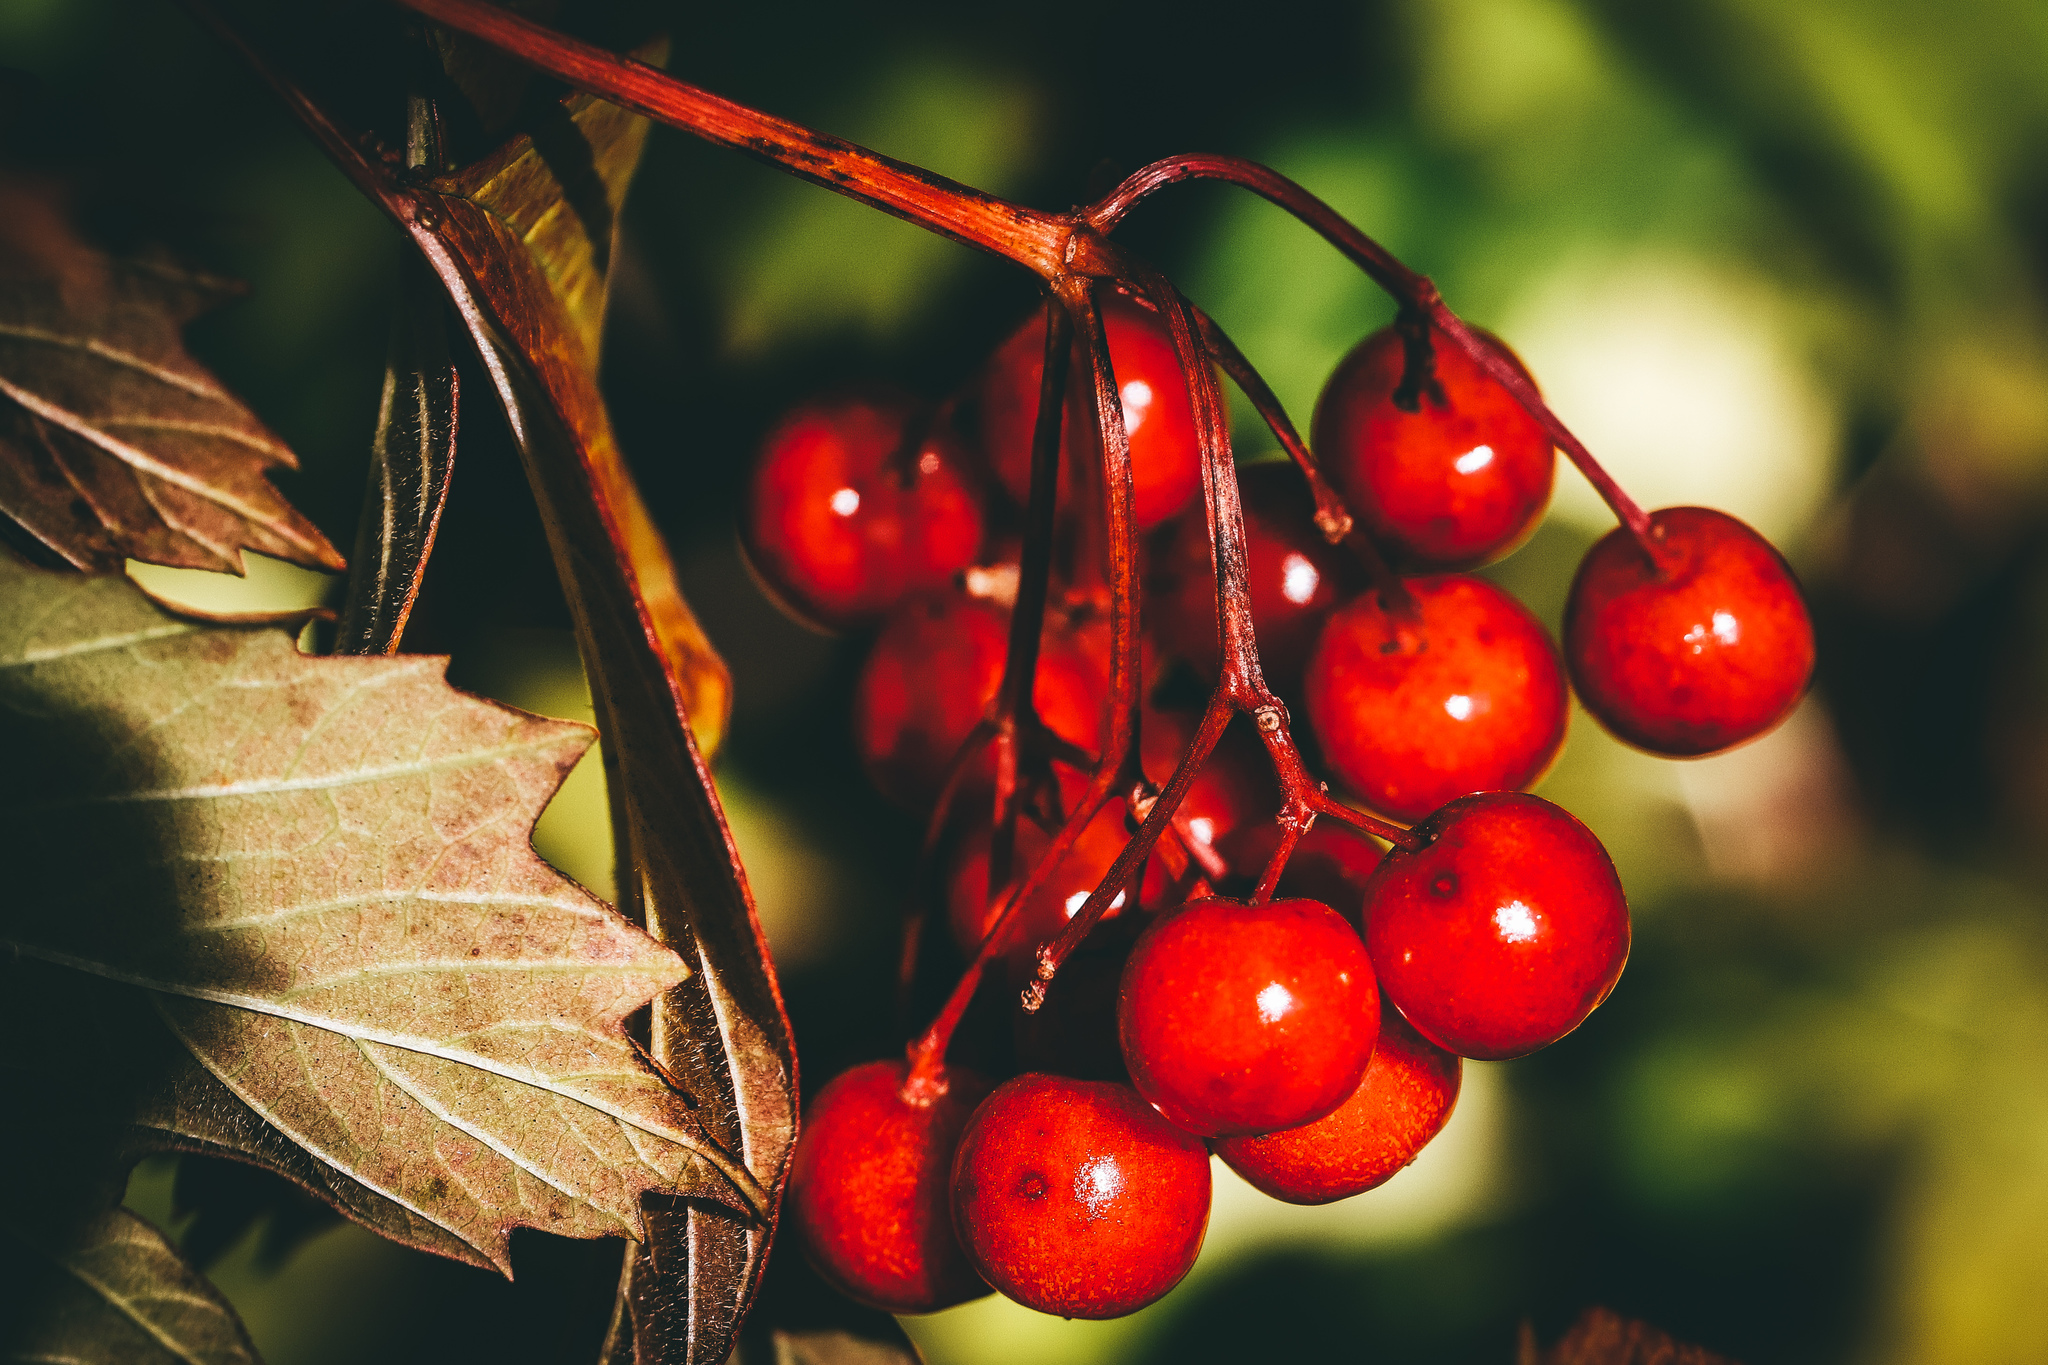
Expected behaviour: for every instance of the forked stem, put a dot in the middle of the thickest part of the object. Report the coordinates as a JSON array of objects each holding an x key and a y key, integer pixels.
[{"x": 1408, "y": 289}]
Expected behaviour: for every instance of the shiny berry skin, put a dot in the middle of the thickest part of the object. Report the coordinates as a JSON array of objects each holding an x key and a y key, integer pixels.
[
  {"x": 1296, "y": 578},
  {"x": 1166, "y": 460},
  {"x": 1404, "y": 1100},
  {"x": 871, "y": 1188},
  {"x": 852, "y": 507},
  {"x": 1470, "y": 698},
  {"x": 931, "y": 675},
  {"x": 1503, "y": 932},
  {"x": 1247, "y": 1018},
  {"x": 1457, "y": 482},
  {"x": 1074, "y": 1197},
  {"x": 1712, "y": 648}
]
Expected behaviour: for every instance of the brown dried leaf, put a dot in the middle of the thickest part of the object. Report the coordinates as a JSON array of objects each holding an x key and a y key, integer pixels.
[
  {"x": 412, "y": 460},
  {"x": 110, "y": 1291},
  {"x": 320, "y": 870},
  {"x": 114, "y": 443},
  {"x": 521, "y": 243}
]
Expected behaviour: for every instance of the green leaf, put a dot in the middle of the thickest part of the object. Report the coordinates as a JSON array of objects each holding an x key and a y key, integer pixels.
[
  {"x": 114, "y": 443},
  {"x": 111, "y": 1291},
  {"x": 319, "y": 869}
]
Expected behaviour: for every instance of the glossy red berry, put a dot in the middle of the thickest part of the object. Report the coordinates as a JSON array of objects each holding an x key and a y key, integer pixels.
[
  {"x": 1075, "y": 1197},
  {"x": 1247, "y": 1018},
  {"x": 855, "y": 503},
  {"x": 1456, "y": 482},
  {"x": 1166, "y": 463},
  {"x": 1468, "y": 696},
  {"x": 931, "y": 675},
  {"x": 1404, "y": 1100},
  {"x": 1503, "y": 931},
  {"x": 871, "y": 1186},
  {"x": 1296, "y": 578},
  {"x": 1710, "y": 647}
]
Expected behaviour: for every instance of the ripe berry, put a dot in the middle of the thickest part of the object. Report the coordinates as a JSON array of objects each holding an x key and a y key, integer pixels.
[
  {"x": 870, "y": 1189},
  {"x": 1166, "y": 461},
  {"x": 1456, "y": 482},
  {"x": 931, "y": 675},
  {"x": 1710, "y": 647},
  {"x": 1076, "y": 1198},
  {"x": 856, "y": 502},
  {"x": 1296, "y": 578},
  {"x": 1501, "y": 933},
  {"x": 1247, "y": 1018},
  {"x": 1403, "y": 1102},
  {"x": 1470, "y": 697}
]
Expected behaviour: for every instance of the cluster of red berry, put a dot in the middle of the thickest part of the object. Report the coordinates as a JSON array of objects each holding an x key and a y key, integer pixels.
[{"x": 1312, "y": 1039}]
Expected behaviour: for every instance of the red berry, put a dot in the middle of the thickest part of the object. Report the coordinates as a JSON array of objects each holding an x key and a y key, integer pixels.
[
  {"x": 870, "y": 1189},
  {"x": 1456, "y": 482},
  {"x": 1710, "y": 647},
  {"x": 1076, "y": 1198},
  {"x": 931, "y": 675},
  {"x": 1247, "y": 1018},
  {"x": 1403, "y": 1102},
  {"x": 1166, "y": 460},
  {"x": 852, "y": 507},
  {"x": 1296, "y": 578},
  {"x": 1503, "y": 931},
  {"x": 1468, "y": 697}
]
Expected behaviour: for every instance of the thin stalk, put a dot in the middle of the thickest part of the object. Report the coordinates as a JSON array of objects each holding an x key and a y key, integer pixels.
[
  {"x": 1015, "y": 704},
  {"x": 1027, "y": 236},
  {"x": 1407, "y": 287},
  {"x": 1333, "y": 518}
]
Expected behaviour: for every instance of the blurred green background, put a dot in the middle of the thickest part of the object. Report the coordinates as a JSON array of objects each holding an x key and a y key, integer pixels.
[{"x": 1790, "y": 259}]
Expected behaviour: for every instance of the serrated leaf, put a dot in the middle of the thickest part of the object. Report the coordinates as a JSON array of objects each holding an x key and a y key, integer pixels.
[
  {"x": 110, "y": 1291},
  {"x": 320, "y": 870},
  {"x": 114, "y": 443}
]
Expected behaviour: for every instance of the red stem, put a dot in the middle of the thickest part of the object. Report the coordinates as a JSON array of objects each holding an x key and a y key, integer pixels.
[
  {"x": 1032, "y": 238},
  {"x": 1332, "y": 517},
  {"x": 1408, "y": 288}
]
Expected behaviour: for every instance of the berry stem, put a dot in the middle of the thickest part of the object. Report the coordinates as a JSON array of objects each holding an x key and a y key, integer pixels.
[
  {"x": 1242, "y": 684},
  {"x": 1034, "y": 239},
  {"x": 1408, "y": 288},
  {"x": 1290, "y": 836},
  {"x": 1333, "y": 519}
]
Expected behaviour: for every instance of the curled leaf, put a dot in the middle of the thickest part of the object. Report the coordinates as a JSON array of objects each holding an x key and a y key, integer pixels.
[
  {"x": 114, "y": 443},
  {"x": 110, "y": 1291}
]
